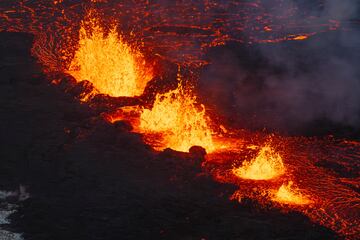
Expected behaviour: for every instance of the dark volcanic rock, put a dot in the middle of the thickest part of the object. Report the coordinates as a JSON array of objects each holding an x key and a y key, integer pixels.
[{"x": 198, "y": 155}]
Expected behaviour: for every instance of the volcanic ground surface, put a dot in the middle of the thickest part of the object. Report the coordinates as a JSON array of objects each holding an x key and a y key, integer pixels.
[{"x": 88, "y": 165}]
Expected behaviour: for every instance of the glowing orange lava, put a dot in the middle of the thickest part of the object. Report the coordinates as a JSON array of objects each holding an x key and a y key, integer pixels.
[
  {"x": 106, "y": 60},
  {"x": 301, "y": 37},
  {"x": 267, "y": 165},
  {"x": 289, "y": 194},
  {"x": 181, "y": 121}
]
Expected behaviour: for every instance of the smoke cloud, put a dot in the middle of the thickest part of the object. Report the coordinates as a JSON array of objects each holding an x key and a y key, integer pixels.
[{"x": 291, "y": 85}]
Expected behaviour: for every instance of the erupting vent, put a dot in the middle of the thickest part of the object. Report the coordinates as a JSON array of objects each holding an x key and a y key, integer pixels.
[
  {"x": 289, "y": 194},
  {"x": 114, "y": 67},
  {"x": 267, "y": 165},
  {"x": 180, "y": 119}
]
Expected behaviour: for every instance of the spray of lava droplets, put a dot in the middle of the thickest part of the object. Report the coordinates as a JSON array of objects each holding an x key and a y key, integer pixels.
[
  {"x": 180, "y": 120},
  {"x": 289, "y": 194},
  {"x": 267, "y": 165},
  {"x": 108, "y": 62}
]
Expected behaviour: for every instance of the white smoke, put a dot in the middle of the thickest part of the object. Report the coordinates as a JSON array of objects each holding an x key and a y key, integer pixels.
[{"x": 287, "y": 85}]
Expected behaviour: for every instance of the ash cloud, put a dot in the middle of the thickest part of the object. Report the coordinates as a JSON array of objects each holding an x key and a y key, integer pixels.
[{"x": 293, "y": 85}]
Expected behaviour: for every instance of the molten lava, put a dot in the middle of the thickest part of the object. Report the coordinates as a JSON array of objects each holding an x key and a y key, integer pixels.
[
  {"x": 320, "y": 193},
  {"x": 180, "y": 120},
  {"x": 288, "y": 194},
  {"x": 106, "y": 60},
  {"x": 267, "y": 165}
]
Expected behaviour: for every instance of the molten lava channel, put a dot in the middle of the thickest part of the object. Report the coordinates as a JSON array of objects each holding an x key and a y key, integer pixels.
[{"x": 108, "y": 62}]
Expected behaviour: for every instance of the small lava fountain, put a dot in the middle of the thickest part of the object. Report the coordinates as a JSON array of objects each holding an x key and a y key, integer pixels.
[
  {"x": 180, "y": 119},
  {"x": 267, "y": 165},
  {"x": 289, "y": 194}
]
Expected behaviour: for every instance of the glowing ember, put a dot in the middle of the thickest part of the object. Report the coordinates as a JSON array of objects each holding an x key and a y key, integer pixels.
[
  {"x": 288, "y": 194},
  {"x": 181, "y": 121},
  {"x": 267, "y": 165},
  {"x": 128, "y": 113},
  {"x": 108, "y": 62},
  {"x": 301, "y": 37},
  {"x": 267, "y": 29}
]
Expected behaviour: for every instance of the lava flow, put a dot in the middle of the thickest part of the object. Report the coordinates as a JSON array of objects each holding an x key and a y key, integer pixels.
[
  {"x": 301, "y": 184},
  {"x": 179, "y": 30},
  {"x": 107, "y": 61}
]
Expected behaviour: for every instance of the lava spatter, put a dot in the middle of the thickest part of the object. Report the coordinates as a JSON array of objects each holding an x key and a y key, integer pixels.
[
  {"x": 290, "y": 194},
  {"x": 180, "y": 120},
  {"x": 113, "y": 66},
  {"x": 267, "y": 165}
]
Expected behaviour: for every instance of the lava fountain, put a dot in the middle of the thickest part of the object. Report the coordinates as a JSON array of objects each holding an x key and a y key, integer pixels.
[
  {"x": 181, "y": 121},
  {"x": 108, "y": 62},
  {"x": 267, "y": 165},
  {"x": 290, "y": 194}
]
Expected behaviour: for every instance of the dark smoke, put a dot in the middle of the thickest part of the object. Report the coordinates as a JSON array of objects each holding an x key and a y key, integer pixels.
[{"x": 293, "y": 86}]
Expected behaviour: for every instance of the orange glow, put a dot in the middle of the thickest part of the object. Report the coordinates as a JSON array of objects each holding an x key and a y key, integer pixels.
[
  {"x": 182, "y": 122},
  {"x": 267, "y": 165},
  {"x": 288, "y": 194},
  {"x": 128, "y": 113},
  {"x": 114, "y": 67},
  {"x": 301, "y": 37},
  {"x": 267, "y": 29}
]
